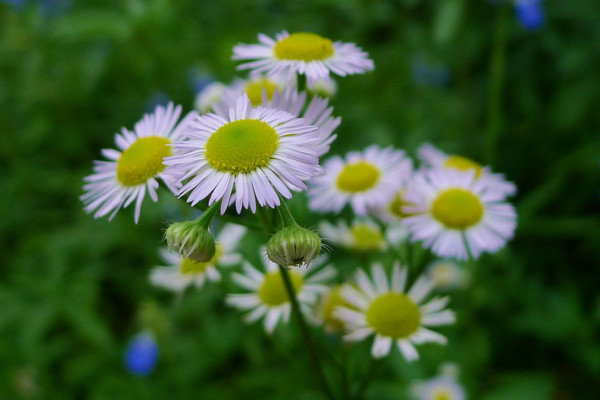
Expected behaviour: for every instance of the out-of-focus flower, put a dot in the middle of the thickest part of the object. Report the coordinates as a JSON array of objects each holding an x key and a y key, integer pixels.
[
  {"x": 435, "y": 158},
  {"x": 324, "y": 88},
  {"x": 268, "y": 298},
  {"x": 382, "y": 307},
  {"x": 530, "y": 14},
  {"x": 452, "y": 209},
  {"x": 330, "y": 301},
  {"x": 366, "y": 180},
  {"x": 362, "y": 236},
  {"x": 303, "y": 53},
  {"x": 134, "y": 168},
  {"x": 250, "y": 157},
  {"x": 210, "y": 95},
  {"x": 182, "y": 272},
  {"x": 141, "y": 354},
  {"x": 447, "y": 274}
]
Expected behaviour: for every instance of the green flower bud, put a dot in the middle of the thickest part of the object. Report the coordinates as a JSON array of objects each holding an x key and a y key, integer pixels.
[
  {"x": 191, "y": 240},
  {"x": 293, "y": 246}
]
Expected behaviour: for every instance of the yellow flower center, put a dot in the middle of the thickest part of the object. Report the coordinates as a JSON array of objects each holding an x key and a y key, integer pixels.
[
  {"x": 142, "y": 160},
  {"x": 358, "y": 177},
  {"x": 394, "y": 315},
  {"x": 367, "y": 237},
  {"x": 396, "y": 205},
  {"x": 441, "y": 394},
  {"x": 443, "y": 274},
  {"x": 457, "y": 208},
  {"x": 272, "y": 291},
  {"x": 303, "y": 46},
  {"x": 331, "y": 302},
  {"x": 188, "y": 266},
  {"x": 463, "y": 164},
  {"x": 241, "y": 146},
  {"x": 254, "y": 89}
]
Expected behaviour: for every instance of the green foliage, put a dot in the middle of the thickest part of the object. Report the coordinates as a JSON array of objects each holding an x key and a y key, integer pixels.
[{"x": 74, "y": 290}]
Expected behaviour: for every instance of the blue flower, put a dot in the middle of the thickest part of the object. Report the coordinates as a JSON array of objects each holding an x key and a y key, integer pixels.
[
  {"x": 141, "y": 354},
  {"x": 530, "y": 14}
]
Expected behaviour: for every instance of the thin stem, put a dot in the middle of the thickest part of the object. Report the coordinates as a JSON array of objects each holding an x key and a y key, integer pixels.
[
  {"x": 497, "y": 69},
  {"x": 304, "y": 331}
]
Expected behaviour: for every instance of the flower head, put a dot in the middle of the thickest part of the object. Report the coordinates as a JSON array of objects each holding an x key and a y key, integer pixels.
[
  {"x": 452, "y": 210},
  {"x": 435, "y": 158},
  {"x": 210, "y": 95},
  {"x": 141, "y": 354},
  {"x": 293, "y": 246},
  {"x": 302, "y": 53},
  {"x": 442, "y": 387},
  {"x": 251, "y": 156},
  {"x": 366, "y": 180},
  {"x": 362, "y": 236},
  {"x": 268, "y": 298},
  {"x": 393, "y": 315},
  {"x": 182, "y": 272},
  {"x": 530, "y": 14},
  {"x": 191, "y": 240},
  {"x": 134, "y": 168},
  {"x": 447, "y": 274}
]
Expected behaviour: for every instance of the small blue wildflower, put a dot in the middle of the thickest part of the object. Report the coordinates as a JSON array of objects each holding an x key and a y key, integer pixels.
[
  {"x": 530, "y": 14},
  {"x": 141, "y": 354}
]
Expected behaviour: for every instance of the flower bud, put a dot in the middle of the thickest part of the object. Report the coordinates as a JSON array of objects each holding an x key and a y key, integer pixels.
[
  {"x": 191, "y": 240},
  {"x": 293, "y": 246}
]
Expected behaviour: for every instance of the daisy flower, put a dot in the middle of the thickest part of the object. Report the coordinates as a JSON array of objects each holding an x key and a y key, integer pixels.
[
  {"x": 384, "y": 309},
  {"x": 248, "y": 157},
  {"x": 440, "y": 388},
  {"x": 302, "y": 53},
  {"x": 446, "y": 274},
  {"x": 366, "y": 180},
  {"x": 212, "y": 94},
  {"x": 134, "y": 168},
  {"x": 182, "y": 272},
  {"x": 317, "y": 112},
  {"x": 435, "y": 158},
  {"x": 268, "y": 297},
  {"x": 363, "y": 235},
  {"x": 260, "y": 90},
  {"x": 455, "y": 214}
]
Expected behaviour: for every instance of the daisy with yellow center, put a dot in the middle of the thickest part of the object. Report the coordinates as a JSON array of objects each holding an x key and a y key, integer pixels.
[
  {"x": 442, "y": 387},
  {"x": 317, "y": 112},
  {"x": 268, "y": 297},
  {"x": 383, "y": 308},
  {"x": 329, "y": 302},
  {"x": 446, "y": 275},
  {"x": 260, "y": 90},
  {"x": 182, "y": 272},
  {"x": 455, "y": 214},
  {"x": 366, "y": 180},
  {"x": 251, "y": 156},
  {"x": 302, "y": 53},
  {"x": 134, "y": 168},
  {"x": 362, "y": 236},
  {"x": 212, "y": 94},
  {"x": 433, "y": 157}
]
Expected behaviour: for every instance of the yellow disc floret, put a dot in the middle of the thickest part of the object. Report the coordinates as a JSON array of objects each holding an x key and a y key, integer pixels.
[
  {"x": 188, "y": 266},
  {"x": 397, "y": 204},
  {"x": 303, "y": 46},
  {"x": 394, "y": 315},
  {"x": 272, "y": 291},
  {"x": 358, "y": 177},
  {"x": 255, "y": 88},
  {"x": 442, "y": 394},
  {"x": 241, "y": 146},
  {"x": 457, "y": 208},
  {"x": 367, "y": 237},
  {"x": 463, "y": 164},
  {"x": 142, "y": 160},
  {"x": 334, "y": 300}
]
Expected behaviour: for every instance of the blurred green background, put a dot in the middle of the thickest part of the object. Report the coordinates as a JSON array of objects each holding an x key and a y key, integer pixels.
[{"x": 462, "y": 74}]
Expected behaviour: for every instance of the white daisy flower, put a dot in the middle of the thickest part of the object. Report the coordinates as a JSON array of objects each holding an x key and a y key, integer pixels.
[
  {"x": 363, "y": 235},
  {"x": 329, "y": 302},
  {"x": 212, "y": 94},
  {"x": 182, "y": 272},
  {"x": 133, "y": 169},
  {"x": 248, "y": 157},
  {"x": 452, "y": 210},
  {"x": 317, "y": 112},
  {"x": 259, "y": 89},
  {"x": 447, "y": 274},
  {"x": 434, "y": 157},
  {"x": 385, "y": 309},
  {"x": 440, "y": 388},
  {"x": 366, "y": 180},
  {"x": 302, "y": 53},
  {"x": 268, "y": 297}
]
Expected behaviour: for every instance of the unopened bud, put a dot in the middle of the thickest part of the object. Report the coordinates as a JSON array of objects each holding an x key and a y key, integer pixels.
[
  {"x": 191, "y": 240},
  {"x": 293, "y": 246}
]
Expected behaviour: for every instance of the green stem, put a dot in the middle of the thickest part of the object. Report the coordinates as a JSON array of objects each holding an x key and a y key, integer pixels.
[
  {"x": 301, "y": 82},
  {"x": 364, "y": 383},
  {"x": 208, "y": 214},
  {"x": 234, "y": 220},
  {"x": 304, "y": 331},
  {"x": 497, "y": 69}
]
